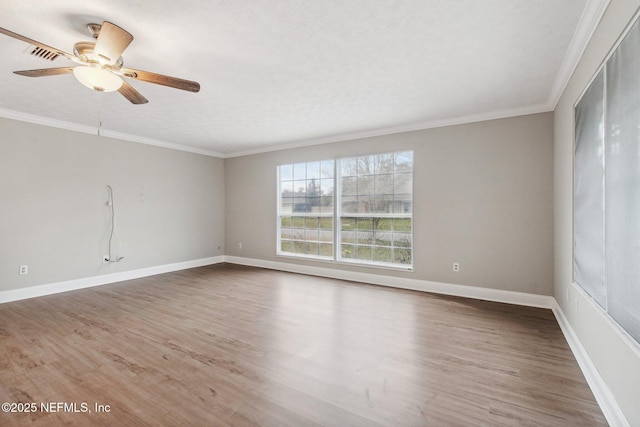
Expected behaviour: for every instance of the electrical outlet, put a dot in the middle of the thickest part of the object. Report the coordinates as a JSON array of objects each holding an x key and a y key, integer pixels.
[
  {"x": 456, "y": 267},
  {"x": 240, "y": 245},
  {"x": 24, "y": 269}
]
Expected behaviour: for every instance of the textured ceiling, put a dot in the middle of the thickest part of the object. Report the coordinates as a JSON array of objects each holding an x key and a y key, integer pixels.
[{"x": 285, "y": 73}]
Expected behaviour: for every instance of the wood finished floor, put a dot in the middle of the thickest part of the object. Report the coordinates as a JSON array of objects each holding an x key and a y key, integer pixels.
[{"x": 230, "y": 345}]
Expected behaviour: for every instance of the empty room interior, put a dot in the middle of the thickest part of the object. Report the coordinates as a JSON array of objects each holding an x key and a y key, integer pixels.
[{"x": 363, "y": 213}]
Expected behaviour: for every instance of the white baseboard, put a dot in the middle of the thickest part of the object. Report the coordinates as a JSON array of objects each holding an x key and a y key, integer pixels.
[
  {"x": 601, "y": 392},
  {"x": 496, "y": 295},
  {"x": 87, "y": 282}
]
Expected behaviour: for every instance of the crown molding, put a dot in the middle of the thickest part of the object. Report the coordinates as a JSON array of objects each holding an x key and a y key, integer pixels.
[
  {"x": 158, "y": 143},
  {"x": 591, "y": 15},
  {"x": 92, "y": 130},
  {"x": 430, "y": 124}
]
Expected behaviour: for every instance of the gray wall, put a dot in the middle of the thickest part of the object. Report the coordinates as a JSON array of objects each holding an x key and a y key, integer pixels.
[
  {"x": 53, "y": 217},
  {"x": 617, "y": 359},
  {"x": 483, "y": 198}
]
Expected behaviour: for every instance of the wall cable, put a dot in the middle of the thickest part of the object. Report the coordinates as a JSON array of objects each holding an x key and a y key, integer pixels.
[{"x": 113, "y": 226}]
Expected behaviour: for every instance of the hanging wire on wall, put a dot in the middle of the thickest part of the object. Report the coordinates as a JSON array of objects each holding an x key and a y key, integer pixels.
[{"x": 109, "y": 258}]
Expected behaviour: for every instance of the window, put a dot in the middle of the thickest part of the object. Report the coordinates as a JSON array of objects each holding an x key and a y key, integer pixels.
[
  {"x": 305, "y": 216},
  {"x": 376, "y": 209},
  {"x": 370, "y": 198},
  {"x": 606, "y": 234}
]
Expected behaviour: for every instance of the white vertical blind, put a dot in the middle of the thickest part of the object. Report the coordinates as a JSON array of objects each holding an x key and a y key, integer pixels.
[
  {"x": 607, "y": 186},
  {"x": 622, "y": 183},
  {"x": 588, "y": 239}
]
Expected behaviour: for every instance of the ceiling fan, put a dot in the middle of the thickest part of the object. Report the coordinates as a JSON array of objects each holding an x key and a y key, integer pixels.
[{"x": 100, "y": 63}]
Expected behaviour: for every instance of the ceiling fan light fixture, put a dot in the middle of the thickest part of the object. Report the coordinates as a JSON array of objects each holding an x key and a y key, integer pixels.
[{"x": 97, "y": 78}]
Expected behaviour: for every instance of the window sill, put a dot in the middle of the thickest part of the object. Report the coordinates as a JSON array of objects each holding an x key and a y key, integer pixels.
[{"x": 355, "y": 263}]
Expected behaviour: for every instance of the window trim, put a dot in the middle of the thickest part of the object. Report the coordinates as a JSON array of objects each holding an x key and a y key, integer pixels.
[{"x": 337, "y": 216}]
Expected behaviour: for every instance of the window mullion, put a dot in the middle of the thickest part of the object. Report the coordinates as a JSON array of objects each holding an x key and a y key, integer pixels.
[{"x": 337, "y": 211}]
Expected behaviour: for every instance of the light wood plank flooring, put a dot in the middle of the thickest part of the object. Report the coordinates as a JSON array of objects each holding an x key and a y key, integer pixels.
[{"x": 230, "y": 345}]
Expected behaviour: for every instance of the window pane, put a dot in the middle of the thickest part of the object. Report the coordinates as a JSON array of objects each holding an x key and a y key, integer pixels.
[
  {"x": 286, "y": 234},
  {"x": 286, "y": 205},
  {"x": 383, "y": 224},
  {"x": 326, "y": 223},
  {"x": 286, "y": 188},
  {"x": 326, "y": 203},
  {"x": 382, "y": 254},
  {"x": 327, "y": 169},
  {"x": 366, "y": 165},
  {"x": 402, "y": 224},
  {"x": 402, "y": 256},
  {"x": 286, "y": 172},
  {"x": 364, "y": 223},
  {"x": 384, "y": 164},
  {"x": 348, "y": 224},
  {"x": 286, "y": 221},
  {"x": 326, "y": 186},
  {"x": 366, "y": 204},
  {"x": 402, "y": 240},
  {"x": 349, "y": 167},
  {"x": 365, "y": 185},
  {"x": 348, "y": 251},
  {"x": 313, "y": 204},
  {"x": 312, "y": 248},
  {"x": 298, "y": 247},
  {"x": 326, "y": 250},
  {"x": 300, "y": 187},
  {"x": 349, "y": 186},
  {"x": 404, "y": 161},
  {"x": 402, "y": 203},
  {"x": 365, "y": 237},
  {"x": 297, "y": 233},
  {"x": 300, "y": 171},
  {"x": 403, "y": 183},
  {"x": 348, "y": 237},
  {"x": 384, "y": 184},
  {"x": 349, "y": 204},
  {"x": 313, "y": 170},
  {"x": 325, "y": 236},
  {"x": 364, "y": 252},
  {"x": 383, "y": 203},
  {"x": 383, "y": 238}
]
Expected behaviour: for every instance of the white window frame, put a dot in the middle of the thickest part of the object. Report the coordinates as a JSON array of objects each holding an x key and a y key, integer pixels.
[
  {"x": 341, "y": 214},
  {"x": 281, "y": 215},
  {"x": 338, "y": 215}
]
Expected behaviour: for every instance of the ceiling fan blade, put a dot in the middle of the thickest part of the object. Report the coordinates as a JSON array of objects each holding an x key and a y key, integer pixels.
[
  {"x": 47, "y": 52},
  {"x": 112, "y": 41},
  {"x": 43, "y": 72},
  {"x": 159, "y": 79},
  {"x": 132, "y": 94}
]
